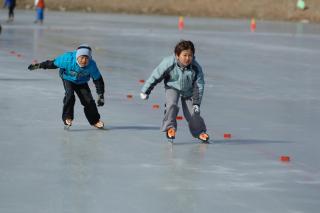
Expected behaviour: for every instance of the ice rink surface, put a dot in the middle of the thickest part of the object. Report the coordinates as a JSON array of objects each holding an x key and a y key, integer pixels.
[{"x": 262, "y": 88}]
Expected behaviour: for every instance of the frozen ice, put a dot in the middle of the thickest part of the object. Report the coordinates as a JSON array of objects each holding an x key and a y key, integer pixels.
[{"x": 261, "y": 87}]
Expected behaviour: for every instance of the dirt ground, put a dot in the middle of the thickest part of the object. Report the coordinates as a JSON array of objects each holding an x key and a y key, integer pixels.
[{"x": 260, "y": 9}]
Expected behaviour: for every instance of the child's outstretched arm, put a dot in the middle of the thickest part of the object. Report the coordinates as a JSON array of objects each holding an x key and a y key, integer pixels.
[
  {"x": 43, "y": 65},
  {"x": 159, "y": 73}
]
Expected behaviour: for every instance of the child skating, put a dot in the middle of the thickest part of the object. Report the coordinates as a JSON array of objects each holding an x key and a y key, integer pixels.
[
  {"x": 75, "y": 69},
  {"x": 11, "y": 4},
  {"x": 183, "y": 79}
]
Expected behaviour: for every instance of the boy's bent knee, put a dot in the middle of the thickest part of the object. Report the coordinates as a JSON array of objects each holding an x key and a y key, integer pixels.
[
  {"x": 69, "y": 97},
  {"x": 90, "y": 104}
]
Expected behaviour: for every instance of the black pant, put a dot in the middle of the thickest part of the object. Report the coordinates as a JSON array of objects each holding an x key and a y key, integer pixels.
[
  {"x": 84, "y": 93},
  {"x": 11, "y": 11}
]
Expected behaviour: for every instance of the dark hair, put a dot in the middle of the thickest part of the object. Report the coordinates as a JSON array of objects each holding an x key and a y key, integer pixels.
[{"x": 184, "y": 45}]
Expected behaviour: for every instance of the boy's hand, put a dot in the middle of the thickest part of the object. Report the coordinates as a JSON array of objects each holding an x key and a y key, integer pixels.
[
  {"x": 144, "y": 96},
  {"x": 196, "y": 108},
  {"x": 33, "y": 66},
  {"x": 100, "y": 101}
]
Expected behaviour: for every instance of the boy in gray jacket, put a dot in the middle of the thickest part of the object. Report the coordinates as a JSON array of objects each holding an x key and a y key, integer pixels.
[{"x": 183, "y": 78}]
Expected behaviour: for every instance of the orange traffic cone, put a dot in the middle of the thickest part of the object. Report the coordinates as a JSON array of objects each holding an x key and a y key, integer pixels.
[
  {"x": 181, "y": 23},
  {"x": 155, "y": 106},
  {"x": 227, "y": 135},
  {"x": 179, "y": 117},
  {"x": 285, "y": 158},
  {"x": 253, "y": 25}
]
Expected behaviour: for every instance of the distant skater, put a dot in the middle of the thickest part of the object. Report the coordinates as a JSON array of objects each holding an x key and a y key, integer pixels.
[
  {"x": 39, "y": 5},
  {"x": 11, "y": 4},
  {"x": 183, "y": 79},
  {"x": 76, "y": 69}
]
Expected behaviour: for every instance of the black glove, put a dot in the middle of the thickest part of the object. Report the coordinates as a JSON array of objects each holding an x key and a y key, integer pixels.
[
  {"x": 33, "y": 66},
  {"x": 100, "y": 101}
]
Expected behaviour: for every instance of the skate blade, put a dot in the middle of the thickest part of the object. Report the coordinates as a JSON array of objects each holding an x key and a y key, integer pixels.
[
  {"x": 170, "y": 140},
  {"x": 205, "y": 142},
  {"x": 102, "y": 127},
  {"x": 67, "y": 127}
]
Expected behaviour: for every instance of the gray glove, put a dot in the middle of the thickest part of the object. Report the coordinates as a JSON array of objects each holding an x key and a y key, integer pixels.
[
  {"x": 196, "y": 108},
  {"x": 100, "y": 101},
  {"x": 144, "y": 96}
]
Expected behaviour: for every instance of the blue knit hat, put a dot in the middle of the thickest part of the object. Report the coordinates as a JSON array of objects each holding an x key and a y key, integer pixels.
[{"x": 83, "y": 49}]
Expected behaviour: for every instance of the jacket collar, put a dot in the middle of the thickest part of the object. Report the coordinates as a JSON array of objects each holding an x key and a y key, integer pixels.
[{"x": 182, "y": 67}]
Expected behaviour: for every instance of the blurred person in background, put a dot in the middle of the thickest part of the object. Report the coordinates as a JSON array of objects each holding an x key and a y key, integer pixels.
[
  {"x": 39, "y": 5},
  {"x": 76, "y": 69},
  {"x": 301, "y": 5},
  {"x": 11, "y": 4}
]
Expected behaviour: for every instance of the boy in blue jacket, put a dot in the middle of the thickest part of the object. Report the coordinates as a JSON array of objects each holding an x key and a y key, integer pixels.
[
  {"x": 183, "y": 78},
  {"x": 76, "y": 69}
]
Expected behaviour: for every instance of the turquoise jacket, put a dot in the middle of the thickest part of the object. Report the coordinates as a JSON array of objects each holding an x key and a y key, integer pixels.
[
  {"x": 189, "y": 81},
  {"x": 71, "y": 71}
]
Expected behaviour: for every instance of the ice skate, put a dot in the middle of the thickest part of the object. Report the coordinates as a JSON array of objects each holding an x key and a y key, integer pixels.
[
  {"x": 171, "y": 134},
  {"x": 99, "y": 125},
  {"x": 67, "y": 123},
  {"x": 204, "y": 137}
]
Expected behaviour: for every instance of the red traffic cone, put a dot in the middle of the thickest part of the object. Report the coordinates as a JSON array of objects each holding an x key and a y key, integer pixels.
[
  {"x": 155, "y": 106},
  {"x": 181, "y": 23},
  {"x": 285, "y": 158},
  {"x": 227, "y": 135},
  {"x": 253, "y": 25}
]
